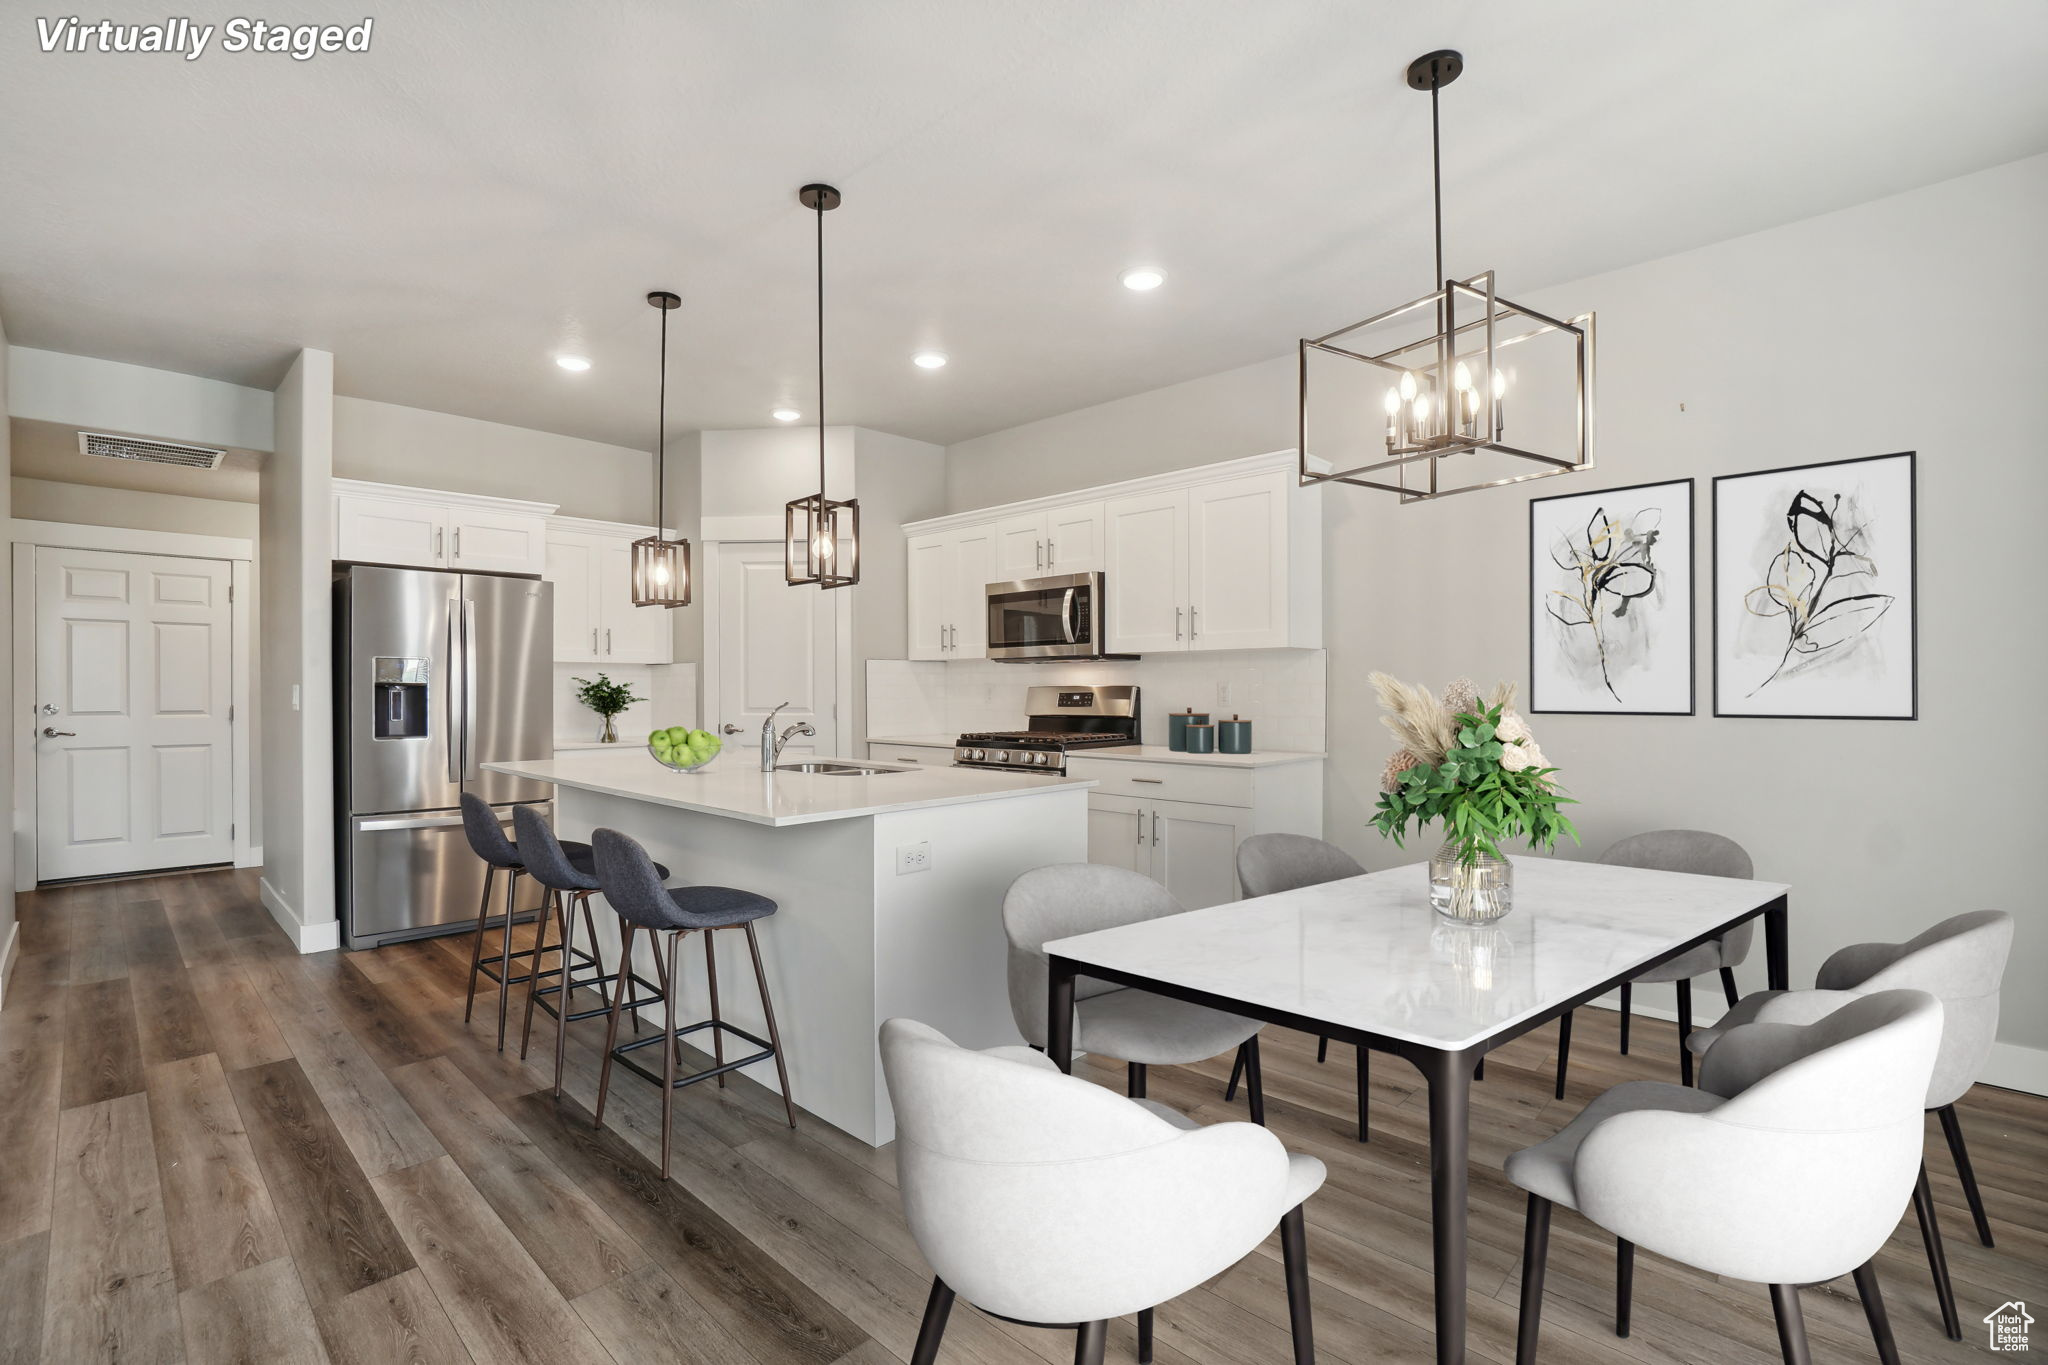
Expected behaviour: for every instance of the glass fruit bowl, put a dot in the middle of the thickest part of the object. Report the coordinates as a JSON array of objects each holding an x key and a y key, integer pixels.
[{"x": 673, "y": 766}]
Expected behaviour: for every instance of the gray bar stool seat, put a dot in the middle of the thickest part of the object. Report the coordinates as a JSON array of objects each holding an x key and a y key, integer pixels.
[
  {"x": 487, "y": 840},
  {"x": 569, "y": 873},
  {"x": 632, "y": 884}
]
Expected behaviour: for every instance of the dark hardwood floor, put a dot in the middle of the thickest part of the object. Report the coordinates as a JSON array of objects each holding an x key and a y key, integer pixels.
[{"x": 215, "y": 1150}]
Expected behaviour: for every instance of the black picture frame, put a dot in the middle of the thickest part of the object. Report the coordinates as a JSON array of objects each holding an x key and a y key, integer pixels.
[
  {"x": 1912, "y": 587},
  {"x": 1691, "y": 560}
]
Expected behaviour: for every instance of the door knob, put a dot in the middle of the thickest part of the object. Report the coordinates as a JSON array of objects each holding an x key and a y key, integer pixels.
[
  {"x": 729, "y": 728},
  {"x": 51, "y": 732}
]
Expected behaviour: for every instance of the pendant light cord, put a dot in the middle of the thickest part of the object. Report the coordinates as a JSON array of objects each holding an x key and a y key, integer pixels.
[
  {"x": 821, "y": 349},
  {"x": 661, "y": 430},
  {"x": 1436, "y": 170}
]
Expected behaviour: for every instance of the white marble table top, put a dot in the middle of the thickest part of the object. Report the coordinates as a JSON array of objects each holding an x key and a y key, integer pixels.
[
  {"x": 734, "y": 787},
  {"x": 1369, "y": 953}
]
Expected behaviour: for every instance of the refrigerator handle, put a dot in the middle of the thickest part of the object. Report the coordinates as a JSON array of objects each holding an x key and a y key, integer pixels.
[
  {"x": 450, "y": 686},
  {"x": 470, "y": 769}
]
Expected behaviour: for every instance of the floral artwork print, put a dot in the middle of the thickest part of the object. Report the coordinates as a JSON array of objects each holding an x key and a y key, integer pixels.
[
  {"x": 1820, "y": 585},
  {"x": 1815, "y": 604},
  {"x": 1610, "y": 578}
]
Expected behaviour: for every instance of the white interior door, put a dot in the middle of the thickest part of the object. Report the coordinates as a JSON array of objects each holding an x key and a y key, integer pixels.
[
  {"x": 134, "y": 683},
  {"x": 775, "y": 644}
]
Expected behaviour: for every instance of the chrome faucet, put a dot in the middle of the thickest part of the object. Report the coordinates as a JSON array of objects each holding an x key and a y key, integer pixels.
[{"x": 771, "y": 743}]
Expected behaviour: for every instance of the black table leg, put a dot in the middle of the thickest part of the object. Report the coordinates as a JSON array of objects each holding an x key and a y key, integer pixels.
[
  {"x": 1778, "y": 944},
  {"x": 1449, "y": 1075},
  {"x": 1059, "y": 1013}
]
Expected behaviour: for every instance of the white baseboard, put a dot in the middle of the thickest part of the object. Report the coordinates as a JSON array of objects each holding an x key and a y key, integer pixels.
[
  {"x": 7, "y": 958},
  {"x": 2012, "y": 1066},
  {"x": 310, "y": 938}
]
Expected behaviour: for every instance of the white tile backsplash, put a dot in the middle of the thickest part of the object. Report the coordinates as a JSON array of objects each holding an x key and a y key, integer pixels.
[
  {"x": 1281, "y": 691},
  {"x": 670, "y": 689}
]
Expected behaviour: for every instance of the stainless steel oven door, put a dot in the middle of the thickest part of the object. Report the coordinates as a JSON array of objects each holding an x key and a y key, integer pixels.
[{"x": 1046, "y": 618}]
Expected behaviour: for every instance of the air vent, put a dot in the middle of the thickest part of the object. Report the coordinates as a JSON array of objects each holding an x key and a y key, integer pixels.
[{"x": 149, "y": 452}]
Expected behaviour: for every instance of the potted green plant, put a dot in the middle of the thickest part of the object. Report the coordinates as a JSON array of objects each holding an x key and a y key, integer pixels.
[
  {"x": 1473, "y": 767},
  {"x": 608, "y": 699}
]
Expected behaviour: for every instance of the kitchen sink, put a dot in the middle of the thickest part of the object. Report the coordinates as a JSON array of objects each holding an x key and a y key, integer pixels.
[{"x": 835, "y": 768}]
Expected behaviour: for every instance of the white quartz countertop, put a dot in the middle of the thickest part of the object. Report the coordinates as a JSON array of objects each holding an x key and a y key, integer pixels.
[
  {"x": 734, "y": 786},
  {"x": 1136, "y": 753},
  {"x": 1369, "y": 953}
]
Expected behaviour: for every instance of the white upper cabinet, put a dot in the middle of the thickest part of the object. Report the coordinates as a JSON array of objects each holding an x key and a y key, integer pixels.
[
  {"x": 591, "y": 565},
  {"x": 390, "y": 531},
  {"x": 1145, "y": 579},
  {"x": 1237, "y": 564},
  {"x": 1223, "y": 556},
  {"x": 949, "y": 576},
  {"x": 377, "y": 523}
]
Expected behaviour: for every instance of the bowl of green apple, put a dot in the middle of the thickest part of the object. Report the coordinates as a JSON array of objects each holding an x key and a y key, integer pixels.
[{"x": 683, "y": 749}]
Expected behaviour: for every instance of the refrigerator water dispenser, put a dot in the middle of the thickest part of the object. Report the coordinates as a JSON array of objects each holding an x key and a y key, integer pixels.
[{"x": 398, "y": 698}]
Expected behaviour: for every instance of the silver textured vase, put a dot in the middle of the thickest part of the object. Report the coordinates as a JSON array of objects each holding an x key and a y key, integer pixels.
[{"x": 1475, "y": 892}]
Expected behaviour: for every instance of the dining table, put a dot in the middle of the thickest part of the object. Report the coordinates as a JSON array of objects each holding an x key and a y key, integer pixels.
[{"x": 1366, "y": 960}]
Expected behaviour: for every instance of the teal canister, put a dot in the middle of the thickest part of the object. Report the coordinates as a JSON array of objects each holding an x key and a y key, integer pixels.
[
  {"x": 1177, "y": 728},
  {"x": 1201, "y": 737},
  {"x": 1233, "y": 736}
]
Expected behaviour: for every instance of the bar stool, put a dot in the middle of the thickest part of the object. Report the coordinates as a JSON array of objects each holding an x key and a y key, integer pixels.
[
  {"x": 571, "y": 880},
  {"x": 487, "y": 840},
  {"x": 631, "y": 882}
]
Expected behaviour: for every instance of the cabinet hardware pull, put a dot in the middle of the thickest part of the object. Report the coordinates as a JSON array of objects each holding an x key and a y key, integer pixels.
[
  {"x": 1176, "y": 623},
  {"x": 1041, "y": 554},
  {"x": 440, "y": 541},
  {"x": 1151, "y": 781},
  {"x": 1155, "y": 829},
  {"x": 593, "y": 639},
  {"x": 1049, "y": 560},
  {"x": 607, "y": 639},
  {"x": 942, "y": 637},
  {"x": 458, "y": 542},
  {"x": 1192, "y": 630},
  {"x": 1141, "y": 828}
]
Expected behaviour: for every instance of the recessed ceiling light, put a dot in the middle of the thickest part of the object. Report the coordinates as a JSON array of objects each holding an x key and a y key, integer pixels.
[
  {"x": 1140, "y": 279},
  {"x": 576, "y": 364},
  {"x": 786, "y": 414},
  {"x": 929, "y": 360}
]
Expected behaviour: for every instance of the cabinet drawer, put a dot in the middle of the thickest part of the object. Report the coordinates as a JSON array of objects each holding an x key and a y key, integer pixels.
[
  {"x": 911, "y": 753},
  {"x": 1166, "y": 781}
]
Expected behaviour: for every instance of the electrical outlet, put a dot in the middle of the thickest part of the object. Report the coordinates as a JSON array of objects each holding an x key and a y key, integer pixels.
[
  {"x": 913, "y": 858},
  {"x": 1222, "y": 694}
]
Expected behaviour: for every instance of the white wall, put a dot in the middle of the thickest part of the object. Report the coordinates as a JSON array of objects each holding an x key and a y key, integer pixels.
[
  {"x": 9, "y": 946},
  {"x": 755, "y": 472},
  {"x": 297, "y": 653},
  {"x": 105, "y": 394},
  {"x": 1897, "y": 325}
]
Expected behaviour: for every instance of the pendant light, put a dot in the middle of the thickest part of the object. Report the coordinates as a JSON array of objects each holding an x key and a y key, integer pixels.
[
  {"x": 1447, "y": 391},
  {"x": 661, "y": 567},
  {"x": 821, "y": 537}
]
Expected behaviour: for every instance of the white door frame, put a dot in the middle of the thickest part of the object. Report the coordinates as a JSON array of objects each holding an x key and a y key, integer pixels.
[
  {"x": 29, "y": 536},
  {"x": 719, "y": 530}
]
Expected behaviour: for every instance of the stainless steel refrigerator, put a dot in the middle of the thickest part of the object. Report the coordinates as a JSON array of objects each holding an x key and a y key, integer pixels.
[{"x": 436, "y": 674}]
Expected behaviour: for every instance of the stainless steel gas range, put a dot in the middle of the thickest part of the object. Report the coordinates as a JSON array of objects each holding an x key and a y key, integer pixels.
[{"x": 1062, "y": 720}]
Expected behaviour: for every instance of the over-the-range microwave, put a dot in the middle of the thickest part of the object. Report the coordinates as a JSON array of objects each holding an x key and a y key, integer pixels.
[{"x": 1035, "y": 619}]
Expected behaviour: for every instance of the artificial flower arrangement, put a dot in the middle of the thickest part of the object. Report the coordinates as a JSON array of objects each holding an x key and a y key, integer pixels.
[{"x": 1473, "y": 767}]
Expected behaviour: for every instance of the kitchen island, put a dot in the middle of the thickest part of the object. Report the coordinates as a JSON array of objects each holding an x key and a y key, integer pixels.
[{"x": 890, "y": 886}]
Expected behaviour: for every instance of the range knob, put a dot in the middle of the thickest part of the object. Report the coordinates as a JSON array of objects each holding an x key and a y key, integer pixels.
[
  {"x": 978, "y": 755},
  {"x": 1002, "y": 755},
  {"x": 1042, "y": 759}
]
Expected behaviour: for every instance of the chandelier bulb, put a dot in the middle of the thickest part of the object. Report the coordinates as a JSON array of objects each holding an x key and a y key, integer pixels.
[
  {"x": 1500, "y": 383},
  {"x": 1462, "y": 377},
  {"x": 1393, "y": 403},
  {"x": 1408, "y": 387},
  {"x": 1421, "y": 407}
]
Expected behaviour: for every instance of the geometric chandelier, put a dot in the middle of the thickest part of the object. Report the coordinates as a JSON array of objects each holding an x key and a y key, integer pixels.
[
  {"x": 660, "y": 566},
  {"x": 1444, "y": 415},
  {"x": 821, "y": 535}
]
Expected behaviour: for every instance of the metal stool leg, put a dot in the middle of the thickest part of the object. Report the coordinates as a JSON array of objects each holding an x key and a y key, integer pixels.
[
  {"x": 774, "y": 1037},
  {"x": 611, "y": 1031},
  {"x": 711, "y": 978},
  {"x": 476, "y": 943},
  {"x": 505, "y": 957},
  {"x": 550, "y": 907},
  {"x": 668, "y": 1051}
]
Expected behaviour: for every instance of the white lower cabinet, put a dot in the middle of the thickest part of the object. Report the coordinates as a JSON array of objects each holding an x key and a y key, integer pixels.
[{"x": 1180, "y": 823}]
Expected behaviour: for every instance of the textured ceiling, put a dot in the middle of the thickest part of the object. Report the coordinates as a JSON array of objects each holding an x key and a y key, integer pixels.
[{"x": 493, "y": 183}]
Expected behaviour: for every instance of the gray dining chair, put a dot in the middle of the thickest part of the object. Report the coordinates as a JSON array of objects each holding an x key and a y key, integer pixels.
[
  {"x": 1961, "y": 962},
  {"x": 1678, "y": 850},
  {"x": 1133, "y": 1026},
  {"x": 1040, "y": 1198},
  {"x": 1268, "y": 864},
  {"x": 1790, "y": 1165}
]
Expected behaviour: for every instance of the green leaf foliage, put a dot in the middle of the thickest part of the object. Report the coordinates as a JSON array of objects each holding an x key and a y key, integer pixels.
[
  {"x": 1479, "y": 804},
  {"x": 604, "y": 696}
]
